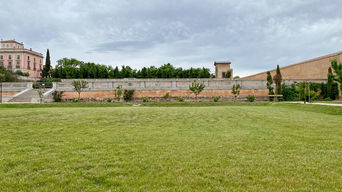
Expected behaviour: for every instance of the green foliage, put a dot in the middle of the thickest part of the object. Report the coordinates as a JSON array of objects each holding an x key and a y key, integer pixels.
[
  {"x": 305, "y": 92},
  {"x": 145, "y": 99},
  {"x": 72, "y": 68},
  {"x": 45, "y": 85},
  {"x": 7, "y": 76},
  {"x": 228, "y": 74},
  {"x": 180, "y": 99},
  {"x": 216, "y": 99},
  {"x": 75, "y": 100},
  {"x": 337, "y": 66},
  {"x": 269, "y": 83},
  {"x": 79, "y": 85},
  {"x": 237, "y": 77},
  {"x": 330, "y": 84},
  {"x": 118, "y": 92},
  {"x": 128, "y": 95},
  {"x": 251, "y": 98},
  {"x": 22, "y": 73},
  {"x": 57, "y": 96},
  {"x": 166, "y": 96},
  {"x": 278, "y": 80},
  {"x": 289, "y": 92},
  {"x": 47, "y": 67},
  {"x": 236, "y": 91},
  {"x": 109, "y": 100},
  {"x": 196, "y": 88}
]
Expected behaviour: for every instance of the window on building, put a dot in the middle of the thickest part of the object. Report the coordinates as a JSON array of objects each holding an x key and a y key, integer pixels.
[
  {"x": 18, "y": 57},
  {"x": 1, "y": 57},
  {"x": 1, "y": 63},
  {"x": 9, "y": 65},
  {"x": 17, "y": 65},
  {"x": 34, "y": 59},
  {"x": 34, "y": 66},
  {"x": 28, "y": 65},
  {"x": 9, "y": 56}
]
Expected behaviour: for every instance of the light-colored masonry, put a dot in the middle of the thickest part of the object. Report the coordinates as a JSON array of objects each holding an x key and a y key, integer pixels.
[{"x": 101, "y": 89}]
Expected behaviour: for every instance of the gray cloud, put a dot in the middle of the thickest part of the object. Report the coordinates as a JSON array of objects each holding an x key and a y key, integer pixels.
[{"x": 254, "y": 35}]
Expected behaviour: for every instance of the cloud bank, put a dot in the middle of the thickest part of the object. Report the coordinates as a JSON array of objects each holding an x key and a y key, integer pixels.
[{"x": 253, "y": 35}]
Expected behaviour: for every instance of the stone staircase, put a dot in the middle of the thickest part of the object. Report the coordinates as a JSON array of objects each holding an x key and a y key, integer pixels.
[{"x": 30, "y": 96}]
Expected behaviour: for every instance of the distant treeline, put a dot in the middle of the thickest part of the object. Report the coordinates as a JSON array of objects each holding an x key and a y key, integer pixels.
[{"x": 74, "y": 69}]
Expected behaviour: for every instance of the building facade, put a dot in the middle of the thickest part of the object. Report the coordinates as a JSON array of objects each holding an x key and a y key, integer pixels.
[
  {"x": 316, "y": 68},
  {"x": 14, "y": 57},
  {"x": 223, "y": 70}
]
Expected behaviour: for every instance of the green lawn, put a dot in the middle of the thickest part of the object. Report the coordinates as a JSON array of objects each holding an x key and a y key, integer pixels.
[{"x": 171, "y": 147}]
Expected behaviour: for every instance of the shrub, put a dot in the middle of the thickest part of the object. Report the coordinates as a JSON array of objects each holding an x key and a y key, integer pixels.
[
  {"x": 118, "y": 92},
  {"x": 289, "y": 92},
  {"x": 45, "y": 85},
  {"x": 22, "y": 73},
  {"x": 251, "y": 98},
  {"x": 57, "y": 96},
  {"x": 75, "y": 100},
  {"x": 128, "y": 95},
  {"x": 196, "y": 88},
  {"x": 145, "y": 99},
  {"x": 166, "y": 96},
  {"x": 180, "y": 99},
  {"x": 109, "y": 100},
  {"x": 216, "y": 99}
]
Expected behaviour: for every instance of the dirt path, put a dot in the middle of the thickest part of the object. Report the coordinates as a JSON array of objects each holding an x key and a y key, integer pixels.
[{"x": 328, "y": 104}]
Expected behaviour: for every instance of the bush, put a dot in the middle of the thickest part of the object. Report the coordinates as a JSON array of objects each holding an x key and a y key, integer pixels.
[
  {"x": 45, "y": 85},
  {"x": 128, "y": 95},
  {"x": 251, "y": 98},
  {"x": 180, "y": 99},
  {"x": 109, "y": 100},
  {"x": 166, "y": 96},
  {"x": 75, "y": 100},
  {"x": 289, "y": 92},
  {"x": 57, "y": 96},
  {"x": 22, "y": 74},
  {"x": 216, "y": 99},
  {"x": 145, "y": 99}
]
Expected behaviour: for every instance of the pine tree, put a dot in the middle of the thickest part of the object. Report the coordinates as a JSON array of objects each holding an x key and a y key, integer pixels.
[{"x": 47, "y": 66}]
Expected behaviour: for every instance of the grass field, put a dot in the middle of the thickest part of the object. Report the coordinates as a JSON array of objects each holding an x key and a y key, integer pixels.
[{"x": 170, "y": 147}]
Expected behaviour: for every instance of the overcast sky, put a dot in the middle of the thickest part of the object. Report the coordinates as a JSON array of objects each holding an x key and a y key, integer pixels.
[{"x": 255, "y": 35}]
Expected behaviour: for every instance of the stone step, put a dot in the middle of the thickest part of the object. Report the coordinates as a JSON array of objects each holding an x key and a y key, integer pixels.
[{"x": 29, "y": 96}]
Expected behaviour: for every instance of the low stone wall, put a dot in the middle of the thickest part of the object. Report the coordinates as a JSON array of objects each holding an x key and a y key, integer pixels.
[
  {"x": 206, "y": 95},
  {"x": 101, "y": 89}
]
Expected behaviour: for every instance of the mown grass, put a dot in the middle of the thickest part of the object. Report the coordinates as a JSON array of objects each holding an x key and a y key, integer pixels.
[{"x": 246, "y": 147}]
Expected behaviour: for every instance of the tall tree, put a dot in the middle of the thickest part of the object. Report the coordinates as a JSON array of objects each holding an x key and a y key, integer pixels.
[
  {"x": 269, "y": 83},
  {"x": 337, "y": 66},
  {"x": 47, "y": 66},
  {"x": 277, "y": 80},
  {"x": 330, "y": 84}
]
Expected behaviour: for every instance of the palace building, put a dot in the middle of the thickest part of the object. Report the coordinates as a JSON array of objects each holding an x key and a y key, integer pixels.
[{"x": 14, "y": 57}]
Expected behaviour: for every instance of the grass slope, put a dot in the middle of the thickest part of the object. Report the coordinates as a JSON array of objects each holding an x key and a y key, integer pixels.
[{"x": 254, "y": 147}]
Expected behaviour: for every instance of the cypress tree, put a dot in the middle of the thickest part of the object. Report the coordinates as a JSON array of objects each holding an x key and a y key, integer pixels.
[
  {"x": 47, "y": 67},
  {"x": 330, "y": 84},
  {"x": 277, "y": 80},
  {"x": 269, "y": 83}
]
